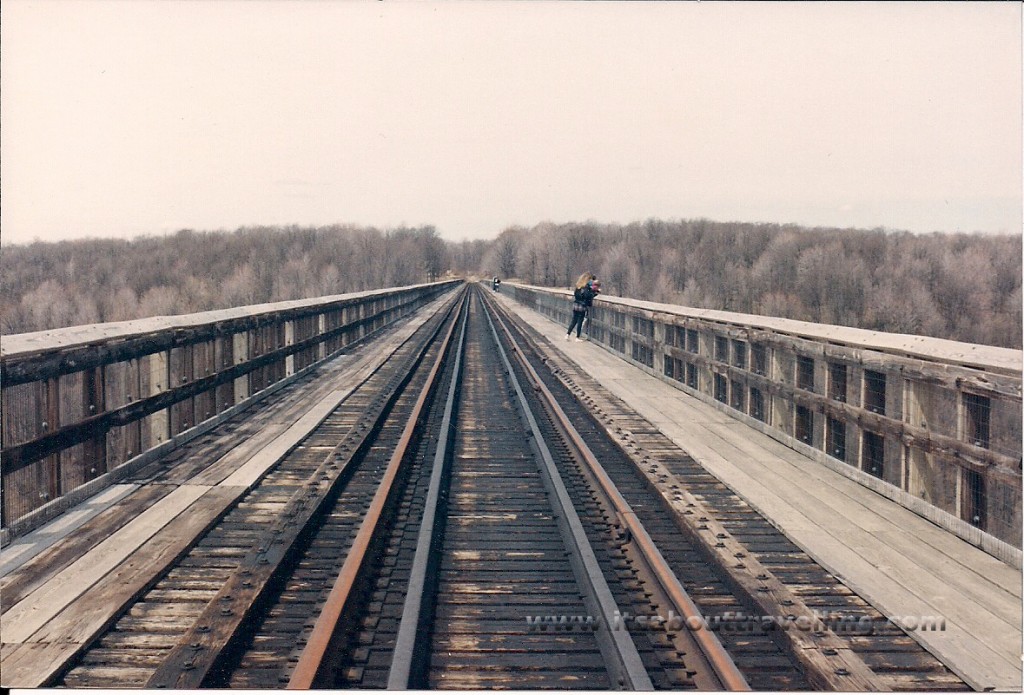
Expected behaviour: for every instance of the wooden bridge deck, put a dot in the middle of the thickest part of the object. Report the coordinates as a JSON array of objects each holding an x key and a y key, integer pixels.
[
  {"x": 63, "y": 582},
  {"x": 903, "y": 564}
]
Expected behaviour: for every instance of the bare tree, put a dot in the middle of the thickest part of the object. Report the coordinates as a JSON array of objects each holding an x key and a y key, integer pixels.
[
  {"x": 507, "y": 248},
  {"x": 958, "y": 286}
]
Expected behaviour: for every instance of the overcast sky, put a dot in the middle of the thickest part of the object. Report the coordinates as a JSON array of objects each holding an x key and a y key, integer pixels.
[{"x": 130, "y": 117}]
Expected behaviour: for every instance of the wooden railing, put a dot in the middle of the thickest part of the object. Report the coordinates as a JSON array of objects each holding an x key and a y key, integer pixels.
[
  {"x": 83, "y": 406},
  {"x": 933, "y": 424}
]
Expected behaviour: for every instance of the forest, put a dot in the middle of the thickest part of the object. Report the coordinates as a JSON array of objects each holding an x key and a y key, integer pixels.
[{"x": 964, "y": 287}]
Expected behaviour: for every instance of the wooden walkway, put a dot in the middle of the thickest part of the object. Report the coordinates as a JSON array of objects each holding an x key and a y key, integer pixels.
[
  {"x": 61, "y": 584},
  {"x": 904, "y": 565}
]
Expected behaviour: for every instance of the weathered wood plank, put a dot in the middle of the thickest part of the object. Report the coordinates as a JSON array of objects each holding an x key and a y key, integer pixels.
[
  {"x": 22, "y": 663},
  {"x": 929, "y": 546},
  {"x": 58, "y": 544},
  {"x": 247, "y": 475},
  {"x": 83, "y": 619},
  {"x": 233, "y": 459},
  {"x": 27, "y": 616},
  {"x": 33, "y": 664}
]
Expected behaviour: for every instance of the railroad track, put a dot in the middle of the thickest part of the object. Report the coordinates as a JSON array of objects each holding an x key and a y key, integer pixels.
[
  {"x": 477, "y": 516},
  {"x": 502, "y": 544},
  {"x": 733, "y": 561},
  {"x": 182, "y": 630}
]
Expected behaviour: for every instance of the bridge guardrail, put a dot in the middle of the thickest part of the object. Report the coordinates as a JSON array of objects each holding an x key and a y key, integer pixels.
[
  {"x": 85, "y": 405},
  {"x": 932, "y": 424}
]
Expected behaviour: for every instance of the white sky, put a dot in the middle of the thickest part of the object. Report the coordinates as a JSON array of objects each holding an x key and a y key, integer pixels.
[{"x": 132, "y": 117}]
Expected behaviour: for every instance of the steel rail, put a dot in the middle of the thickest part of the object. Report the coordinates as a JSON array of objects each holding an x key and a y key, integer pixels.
[
  {"x": 311, "y": 659},
  {"x": 194, "y": 655},
  {"x": 624, "y": 661},
  {"x": 715, "y": 655},
  {"x": 413, "y": 617}
]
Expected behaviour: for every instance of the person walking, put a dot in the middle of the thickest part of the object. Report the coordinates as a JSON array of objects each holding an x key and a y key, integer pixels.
[{"x": 582, "y": 299}]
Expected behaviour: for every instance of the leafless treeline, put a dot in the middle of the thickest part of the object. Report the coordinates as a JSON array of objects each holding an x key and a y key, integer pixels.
[
  {"x": 957, "y": 286},
  {"x": 50, "y": 285}
]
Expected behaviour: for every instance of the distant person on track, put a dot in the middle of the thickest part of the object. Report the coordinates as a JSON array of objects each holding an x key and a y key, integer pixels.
[
  {"x": 495, "y": 283},
  {"x": 582, "y": 300}
]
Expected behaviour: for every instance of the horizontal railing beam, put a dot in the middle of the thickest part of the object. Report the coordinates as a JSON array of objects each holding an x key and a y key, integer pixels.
[
  {"x": 150, "y": 380},
  {"x": 944, "y": 442}
]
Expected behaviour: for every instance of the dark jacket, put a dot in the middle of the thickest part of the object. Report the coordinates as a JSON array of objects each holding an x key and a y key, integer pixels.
[
  {"x": 583, "y": 298},
  {"x": 587, "y": 295}
]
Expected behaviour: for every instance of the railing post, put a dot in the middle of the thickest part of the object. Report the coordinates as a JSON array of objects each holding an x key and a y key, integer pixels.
[
  {"x": 159, "y": 377},
  {"x": 240, "y": 351},
  {"x": 94, "y": 403},
  {"x": 321, "y": 328},
  {"x": 51, "y": 422},
  {"x": 289, "y": 339}
]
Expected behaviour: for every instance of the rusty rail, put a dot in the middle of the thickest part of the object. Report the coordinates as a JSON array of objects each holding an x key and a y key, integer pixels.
[
  {"x": 713, "y": 654},
  {"x": 312, "y": 657},
  {"x": 414, "y": 613},
  {"x": 947, "y": 410},
  {"x": 85, "y": 406},
  {"x": 623, "y": 660}
]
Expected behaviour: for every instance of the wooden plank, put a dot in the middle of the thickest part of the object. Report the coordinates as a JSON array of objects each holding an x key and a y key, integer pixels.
[
  {"x": 86, "y": 617},
  {"x": 885, "y": 524},
  {"x": 983, "y": 666},
  {"x": 254, "y": 469},
  {"x": 928, "y": 546},
  {"x": 20, "y": 664},
  {"x": 27, "y": 616},
  {"x": 231, "y": 461},
  {"x": 33, "y": 664},
  {"x": 51, "y": 464},
  {"x": 32, "y": 547}
]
